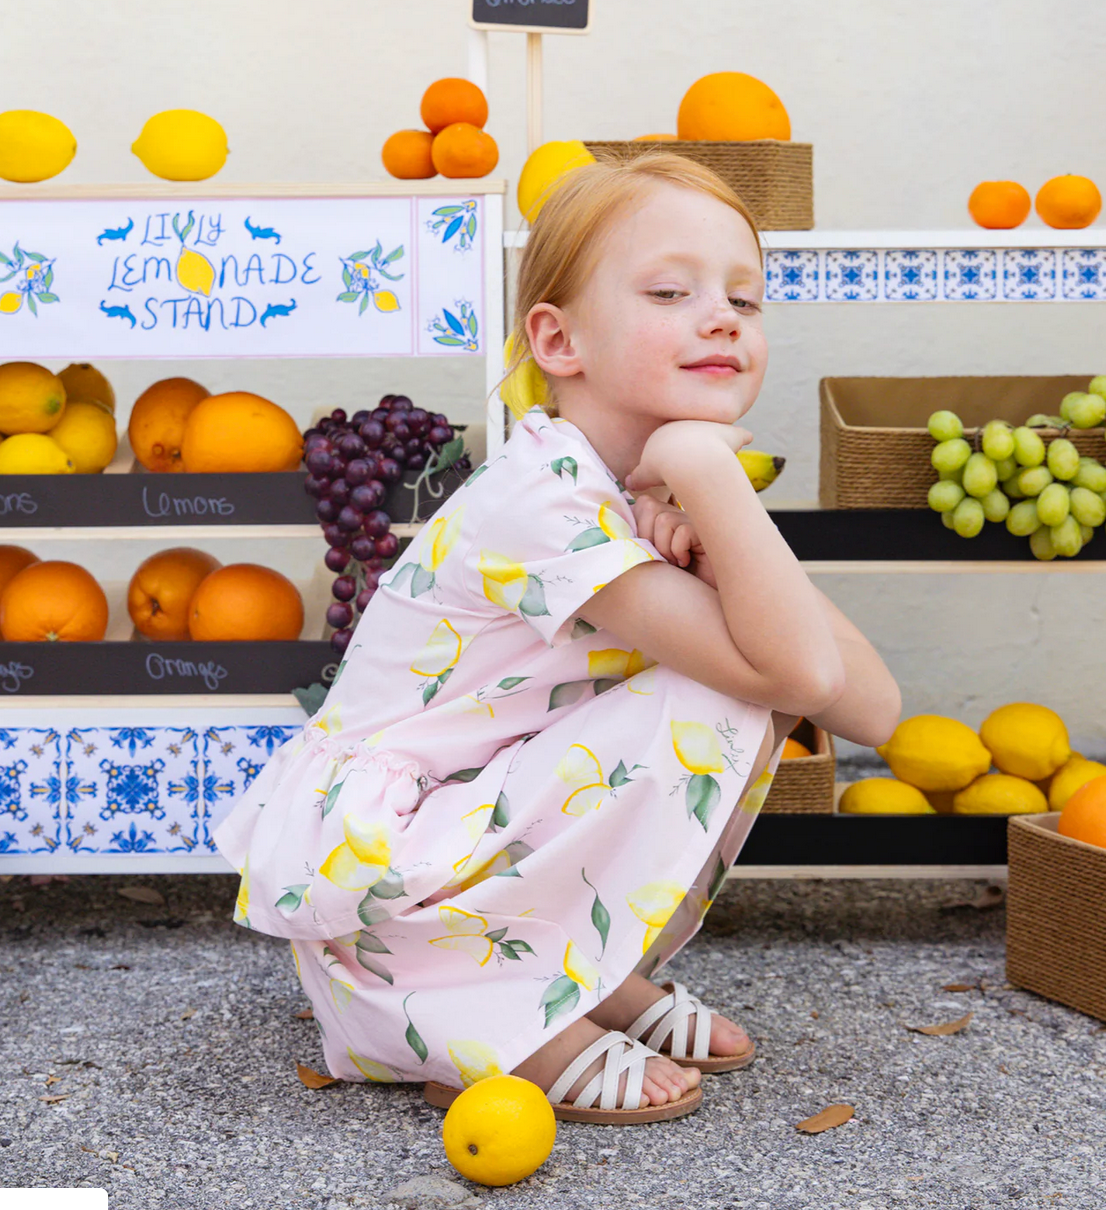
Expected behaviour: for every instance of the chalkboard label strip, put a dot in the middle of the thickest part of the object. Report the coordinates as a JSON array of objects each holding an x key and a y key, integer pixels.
[{"x": 538, "y": 16}]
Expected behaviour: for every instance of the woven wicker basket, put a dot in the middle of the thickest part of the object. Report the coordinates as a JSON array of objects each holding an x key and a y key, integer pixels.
[
  {"x": 804, "y": 785},
  {"x": 773, "y": 177},
  {"x": 1055, "y": 926},
  {"x": 875, "y": 447}
]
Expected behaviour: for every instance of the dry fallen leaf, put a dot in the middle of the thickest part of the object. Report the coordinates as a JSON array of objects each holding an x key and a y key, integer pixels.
[
  {"x": 306, "y": 1014},
  {"x": 312, "y": 1078},
  {"x": 959, "y": 987},
  {"x": 832, "y": 1115},
  {"x": 61, "y": 1096},
  {"x": 188, "y": 1012},
  {"x": 120, "y": 966},
  {"x": 110, "y": 1155},
  {"x": 814, "y": 1014},
  {"x": 949, "y": 1027},
  {"x": 52, "y": 1079},
  {"x": 142, "y": 894}
]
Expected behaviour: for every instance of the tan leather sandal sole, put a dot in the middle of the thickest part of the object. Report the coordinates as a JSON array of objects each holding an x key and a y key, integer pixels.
[
  {"x": 716, "y": 1063},
  {"x": 443, "y": 1096}
]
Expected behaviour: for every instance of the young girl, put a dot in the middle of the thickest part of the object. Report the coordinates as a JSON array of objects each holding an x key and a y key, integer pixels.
[{"x": 561, "y": 712}]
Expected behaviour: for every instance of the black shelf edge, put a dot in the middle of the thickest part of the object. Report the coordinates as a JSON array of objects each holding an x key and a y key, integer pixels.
[
  {"x": 869, "y": 535},
  {"x": 108, "y": 669},
  {"x": 259, "y": 498},
  {"x": 921, "y": 840}
]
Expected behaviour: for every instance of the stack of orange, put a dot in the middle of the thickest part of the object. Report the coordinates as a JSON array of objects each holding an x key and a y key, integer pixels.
[
  {"x": 177, "y": 594},
  {"x": 1065, "y": 202},
  {"x": 454, "y": 142}
]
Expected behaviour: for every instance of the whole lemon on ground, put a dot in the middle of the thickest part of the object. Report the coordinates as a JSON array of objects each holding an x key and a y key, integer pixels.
[
  {"x": 32, "y": 400},
  {"x": 240, "y": 431},
  {"x": 1027, "y": 740},
  {"x": 182, "y": 145},
  {"x": 883, "y": 796},
  {"x": 1084, "y": 814},
  {"x": 499, "y": 1130},
  {"x": 544, "y": 167},
  {"x": 732, "y": 106},
  {"x": 156, "y": 425},
  {"x": 1000, "y": 794},
  {"x": 935, "y": 753},
  {"x": 34, "y": 454},
  {"x": 33, "y": 146},
  {"x": 87, "y": 434},
  {"x": 85, "y": 384},
  {"x": 1070, "y": 777}
]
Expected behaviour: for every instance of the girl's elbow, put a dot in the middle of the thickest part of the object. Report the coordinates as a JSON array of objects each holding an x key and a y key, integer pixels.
[{"x": 822, "y": 689}]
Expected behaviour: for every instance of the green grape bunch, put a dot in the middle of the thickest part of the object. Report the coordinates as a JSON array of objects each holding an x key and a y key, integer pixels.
[{"x": 1009, "y": 474}]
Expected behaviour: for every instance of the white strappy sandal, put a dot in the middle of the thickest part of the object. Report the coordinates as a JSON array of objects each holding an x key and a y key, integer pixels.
[
  {"x": 670, "y": 1015},
  {"x": 623, "y": 1054}
]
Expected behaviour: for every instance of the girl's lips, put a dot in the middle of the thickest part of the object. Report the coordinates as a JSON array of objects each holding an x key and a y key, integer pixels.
[{"x": 715, "y": 370}]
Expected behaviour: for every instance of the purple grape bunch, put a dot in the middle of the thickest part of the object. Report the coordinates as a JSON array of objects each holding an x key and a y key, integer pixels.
[{"x": 351, "y": 461}]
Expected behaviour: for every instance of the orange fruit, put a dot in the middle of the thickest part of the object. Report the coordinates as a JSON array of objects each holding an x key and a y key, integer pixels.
[
  {"x": 464, "y": 150},
  {"x": 732, "y": 106},
  {"x": 54, "y": 601},
  {"x": 156, "y": 426},
  {"x": 162, "y": 588},
  {"x": 1069, "y": 201},
  {"x": 85, "y": 384},
  {"x": 12, "y": 561},
  {"x": 999, "y": 205},
  {"x": 406, "y": 154},
  {"x": 1084, "y": 814},
  {"x": 245, "y": 601},
  {"x": 453, "y": 100},
  {"x": 653, "y": 138},
  {"x": 793, "y": 749},
  {"x": 240, "y": 431}
]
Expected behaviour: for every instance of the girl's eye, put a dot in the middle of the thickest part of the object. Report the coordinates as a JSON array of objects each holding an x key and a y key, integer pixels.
[
  {"x": 746, "y": 302},
  {"x": 661, "y": 293}
]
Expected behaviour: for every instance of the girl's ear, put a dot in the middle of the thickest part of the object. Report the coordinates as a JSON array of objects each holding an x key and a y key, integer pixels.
[{"x": 551, "y": 341}]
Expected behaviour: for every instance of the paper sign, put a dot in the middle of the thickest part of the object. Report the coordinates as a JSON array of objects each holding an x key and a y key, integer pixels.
[{"x": 268, "y": 277}]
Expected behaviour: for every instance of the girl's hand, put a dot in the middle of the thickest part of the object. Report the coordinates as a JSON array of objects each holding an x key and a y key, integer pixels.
[
  {"x": 671, "y": 531},
  {"x": 686, "y": 438}
]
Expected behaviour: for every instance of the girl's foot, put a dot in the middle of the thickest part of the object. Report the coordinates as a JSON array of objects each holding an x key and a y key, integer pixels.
[
  {"x": 664, "y": 1080},
  {"x": 623, "y": 1007}
]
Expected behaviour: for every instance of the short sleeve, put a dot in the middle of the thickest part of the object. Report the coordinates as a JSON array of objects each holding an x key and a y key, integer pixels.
[{"x": 560, "y": 532}]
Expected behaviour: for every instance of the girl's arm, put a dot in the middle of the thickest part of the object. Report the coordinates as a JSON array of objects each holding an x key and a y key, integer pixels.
[{"x": 868, "y": 711}]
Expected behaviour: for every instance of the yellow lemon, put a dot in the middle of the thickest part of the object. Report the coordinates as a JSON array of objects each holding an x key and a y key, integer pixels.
[
  {"x": 87, "y": 434},
  {"x": 1000, "y": 794},
  {"x": 10, "y": 302},
  {"x": 182, "y": 145},
  {"x": 1027, "y": 740},
  {"x": 1070, "y": 777},
  {"x": 32, "y": 400},
  {"x": 546, "y": 165},
  {"x": 474, "y": 1060},
  {"x": 935, "y": 753},
  {"x": 195, "y": 272},
  {"x": 85, "y": 384},
  {"x": 579, "y": 968},
  {"x": 884, "y": 796},
  {"x": 524, "y": 387},
  {"x": 385, "y": 300},
  {"x": 33, "y": 454},
  {"x": 33, "y": 146},
  {"x": 499, "y": 1130}
]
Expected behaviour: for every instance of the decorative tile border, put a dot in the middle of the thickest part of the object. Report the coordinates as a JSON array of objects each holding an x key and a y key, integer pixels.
[
  {"x": 935, "y": 274},
  {"x": 109, "y": 791}
]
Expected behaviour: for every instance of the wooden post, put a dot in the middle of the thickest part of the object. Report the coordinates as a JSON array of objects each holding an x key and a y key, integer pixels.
[{"x": 533, "y": 93}]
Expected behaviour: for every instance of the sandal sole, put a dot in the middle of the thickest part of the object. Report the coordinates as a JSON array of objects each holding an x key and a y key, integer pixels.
[
  {"x": 714, "y": 1064},
  {"x": 442, "y": 1095}
]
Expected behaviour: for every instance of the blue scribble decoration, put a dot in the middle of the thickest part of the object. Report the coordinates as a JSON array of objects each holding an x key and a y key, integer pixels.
[
  {"x": 34, "y": 277},
  {"x": 361, "y": 274},
  {"x": 459, "y": 221},
  {"x": 261, "y": 232},
  {"x": 460, "y": 333},
  {"x": 117, "y": 312},
  {"x": 119, "y": 233},
  {"x": 277, "y": 309}
]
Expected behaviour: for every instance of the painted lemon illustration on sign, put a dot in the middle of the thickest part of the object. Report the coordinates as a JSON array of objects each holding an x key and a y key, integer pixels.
[{"x": 194, "y": 271}]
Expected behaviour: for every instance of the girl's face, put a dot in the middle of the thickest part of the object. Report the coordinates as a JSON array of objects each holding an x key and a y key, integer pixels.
[{"x": 677, "y": 282}]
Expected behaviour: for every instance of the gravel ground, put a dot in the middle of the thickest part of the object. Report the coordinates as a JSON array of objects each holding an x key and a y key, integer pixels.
[{"x": 171, "y": 1034}]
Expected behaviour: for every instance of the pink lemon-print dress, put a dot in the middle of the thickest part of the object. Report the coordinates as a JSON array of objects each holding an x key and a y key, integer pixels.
[{"x": 498, "y": 813}]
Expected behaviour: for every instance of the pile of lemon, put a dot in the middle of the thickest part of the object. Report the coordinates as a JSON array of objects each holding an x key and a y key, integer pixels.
[
  {"x": 55, "y": 424},
  {"x": 942, "y": 765}
]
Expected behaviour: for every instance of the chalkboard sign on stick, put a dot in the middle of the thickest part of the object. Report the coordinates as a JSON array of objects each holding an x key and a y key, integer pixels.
[{"x": 533, "y": 16}]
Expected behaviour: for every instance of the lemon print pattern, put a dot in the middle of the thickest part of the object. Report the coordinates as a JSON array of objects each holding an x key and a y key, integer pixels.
[
  {"x": 194, "y": 271},
  {"x": 499, "y": 811}
]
